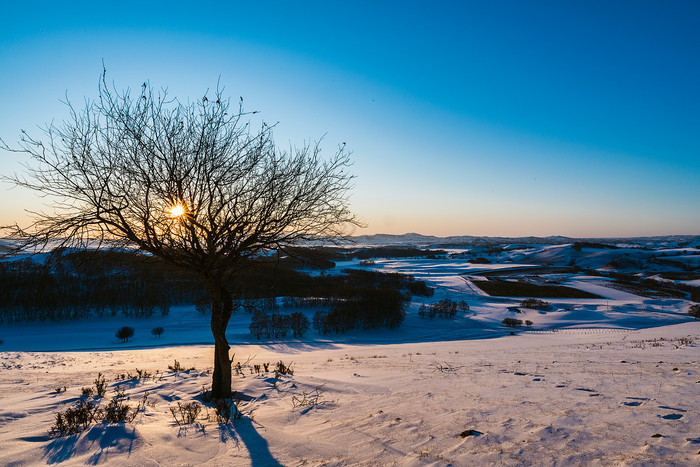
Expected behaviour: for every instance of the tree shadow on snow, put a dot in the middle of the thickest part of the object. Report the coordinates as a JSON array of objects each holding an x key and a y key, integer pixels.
[
  {"x": 296, "y": 346},
  {"x": 260, "y": 455},
  {"x": 109, "y": 439},
  {"x": 373, "y": 337}
]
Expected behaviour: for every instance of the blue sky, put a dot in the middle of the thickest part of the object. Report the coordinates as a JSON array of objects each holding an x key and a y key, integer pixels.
[{"x": 465, "y": 118}]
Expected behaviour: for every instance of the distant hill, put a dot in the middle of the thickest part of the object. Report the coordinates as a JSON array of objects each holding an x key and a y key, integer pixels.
[
  {"x": 415, "y": 239},
  {"x": 5, "y": 246}
]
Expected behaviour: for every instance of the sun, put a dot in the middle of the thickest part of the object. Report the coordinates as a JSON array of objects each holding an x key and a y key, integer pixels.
[{"x": 177, "y": 210}]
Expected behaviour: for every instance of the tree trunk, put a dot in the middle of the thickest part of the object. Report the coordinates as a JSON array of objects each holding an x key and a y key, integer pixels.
[{"x": 221, "y": 309}]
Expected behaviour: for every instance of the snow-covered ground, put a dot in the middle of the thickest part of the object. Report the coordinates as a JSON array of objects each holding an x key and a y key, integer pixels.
[
  {"x": 582, "y": 397},
  {"x": 609, "y": 381}
]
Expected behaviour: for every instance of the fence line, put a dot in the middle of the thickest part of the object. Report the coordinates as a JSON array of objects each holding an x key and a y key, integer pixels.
[{"x": 579, "y": 331}]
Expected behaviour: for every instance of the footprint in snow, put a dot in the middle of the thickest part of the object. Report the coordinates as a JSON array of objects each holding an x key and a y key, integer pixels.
[
  {"x": 632, "y": 404},
  {"x": 672, "y": 416}
]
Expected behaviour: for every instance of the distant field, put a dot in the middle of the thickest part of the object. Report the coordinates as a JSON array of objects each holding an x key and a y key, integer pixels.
[
  {"x": 645, "y": 290},
  {"x": 680, "y": 276},
  {"x": 499, "y": 288},
  {"x": 519, "y": 271}
]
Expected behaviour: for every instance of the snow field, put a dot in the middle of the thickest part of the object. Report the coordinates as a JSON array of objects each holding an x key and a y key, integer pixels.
[{"x": 560, "y": 398}]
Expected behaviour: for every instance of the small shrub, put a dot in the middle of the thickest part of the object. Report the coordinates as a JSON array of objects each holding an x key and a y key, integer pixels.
[
  {"x": 124, "y": 333},
  {"x": 141, "y": 374},
  {"x": 118, "y": 410},
  {"x": 444, "y": 367},
  {"x": 309, "y": 398},
  {"x": 528, "y": 323},
  {"x": 100, "y": 385},
  {"x": 78, "y": 418},
  {"x": 282, "y": 369},
  {"x": 185, "y": 414},
  {"x": 177, "y": 368},
  {"x": 74, "y": 419},
  {"x": 157, "y": 331},
  {"x": 59, "y": 389},
  {"x": 144, "y": 402}
]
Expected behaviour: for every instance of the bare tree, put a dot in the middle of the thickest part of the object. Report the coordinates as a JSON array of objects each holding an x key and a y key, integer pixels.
[{"x": 191, "y": 183}]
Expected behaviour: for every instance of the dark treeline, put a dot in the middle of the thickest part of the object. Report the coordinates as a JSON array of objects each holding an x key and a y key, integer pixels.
[
  {"x": 367, "y": 309},
  {"x": 395, "y": 252},
  {"x": 325, "y": 257},
  {"x": 658, "y": 289},
  {"x": 78, "y": 284},
  {"x": 278, "y": 325},
  {"x": 271, "y": 279},
  {"x": 355, "y": 299}
]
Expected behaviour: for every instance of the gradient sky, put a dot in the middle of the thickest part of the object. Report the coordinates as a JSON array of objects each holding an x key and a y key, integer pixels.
[{"x": 501, "y": 118}]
